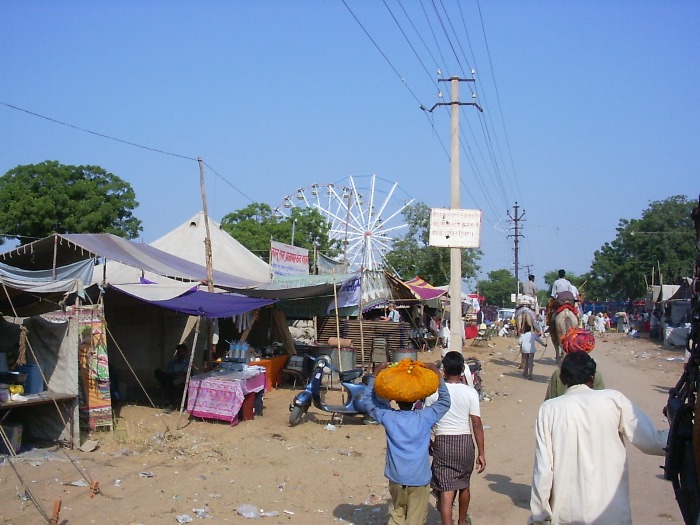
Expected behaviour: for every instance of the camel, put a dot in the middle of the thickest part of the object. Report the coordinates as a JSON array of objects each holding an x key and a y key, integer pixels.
[
  {"x": 558, "y": 326},
  {"x": 525, "y": 317}
]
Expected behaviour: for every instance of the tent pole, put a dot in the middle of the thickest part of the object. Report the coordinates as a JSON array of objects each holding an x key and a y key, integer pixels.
[
  {"x": 359, "y": 318},
  {"x": 189, "y": 372},
  {"x": 337, "y": 318},
  {"x": 209, "y": 263}
]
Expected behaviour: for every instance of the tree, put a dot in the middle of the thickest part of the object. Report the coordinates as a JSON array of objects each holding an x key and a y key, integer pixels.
[
  {"x": 411, "y": 255},
  {"x": 37, "y": 200},
  {"x": 498, "y": 288},
  {"x": 256, "y": 224},
  {"x": 663, "y": 240}
]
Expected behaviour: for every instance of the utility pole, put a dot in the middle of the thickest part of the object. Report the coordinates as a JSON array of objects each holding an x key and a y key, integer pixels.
[
  {"x": 456, "y": 325},
  {"x": 516, "y": 240}
]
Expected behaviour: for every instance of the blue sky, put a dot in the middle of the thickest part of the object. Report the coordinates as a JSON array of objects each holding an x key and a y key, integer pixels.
[{"x": 590, "y": 107}]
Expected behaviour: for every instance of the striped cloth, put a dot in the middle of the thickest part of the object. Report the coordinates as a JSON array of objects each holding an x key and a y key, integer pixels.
[{"x": 453, "y": 462}]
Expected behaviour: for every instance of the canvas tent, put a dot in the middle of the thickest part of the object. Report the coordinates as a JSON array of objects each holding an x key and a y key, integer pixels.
[
  {"x": 143, "y": 329},
  {"x": 55, "y": 347},
  {"x": 187, "y": 242}
]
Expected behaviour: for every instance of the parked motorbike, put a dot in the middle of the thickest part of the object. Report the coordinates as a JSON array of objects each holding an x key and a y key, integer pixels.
[
  {"x": 474, "y": 368},
  {"x": 312, "y": 393}
]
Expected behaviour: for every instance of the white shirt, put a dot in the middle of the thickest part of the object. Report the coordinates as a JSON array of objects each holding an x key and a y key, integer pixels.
[
  {"x": 527, "y": 342},
  {"x": 574, "y": 291},
  {"x": 530, "y": 288},
  {"x": 580, "y": 473},
  {"x": 464, "y": 402},
  {"x": 561, "y": 285}
]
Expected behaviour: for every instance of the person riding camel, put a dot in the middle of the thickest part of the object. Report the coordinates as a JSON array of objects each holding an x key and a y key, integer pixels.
[{"x": 563, "y": 292}]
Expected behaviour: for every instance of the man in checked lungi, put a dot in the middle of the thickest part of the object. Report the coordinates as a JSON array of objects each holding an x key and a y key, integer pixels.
[{"x": 453, "y": 445}]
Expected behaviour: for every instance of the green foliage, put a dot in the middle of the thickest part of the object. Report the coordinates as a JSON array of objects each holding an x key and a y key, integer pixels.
[
  {"x": 256, "y": 224},
  {"x": 663, "y": 239},
  {"x": 498, "y": 288},
  {"x": 411, "y": 256},
  {"x": 37, "y": 200}
]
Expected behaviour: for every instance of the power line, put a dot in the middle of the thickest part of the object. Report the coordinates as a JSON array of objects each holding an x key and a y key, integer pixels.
[
  {"x": 96, "y": 133},
  {"x": 122, "y": 141}
]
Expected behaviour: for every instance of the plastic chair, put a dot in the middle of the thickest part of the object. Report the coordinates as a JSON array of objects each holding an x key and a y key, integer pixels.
[{"x": 294, "y": 369}]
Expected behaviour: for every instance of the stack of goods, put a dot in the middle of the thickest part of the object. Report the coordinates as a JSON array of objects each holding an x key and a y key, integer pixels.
[{"x": 406, "y": 381}]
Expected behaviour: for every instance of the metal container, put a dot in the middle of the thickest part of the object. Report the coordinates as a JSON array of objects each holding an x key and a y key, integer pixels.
[{"x": 405, "y": 353}]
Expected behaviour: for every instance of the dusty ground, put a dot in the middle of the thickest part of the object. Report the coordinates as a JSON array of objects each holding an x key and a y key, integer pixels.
[{"x": 151, "y": 472}]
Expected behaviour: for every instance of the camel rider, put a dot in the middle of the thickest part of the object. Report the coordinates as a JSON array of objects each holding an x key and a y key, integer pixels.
[
  {"x": 530, "y": 288},
  {"x": 562, "y": 292}
]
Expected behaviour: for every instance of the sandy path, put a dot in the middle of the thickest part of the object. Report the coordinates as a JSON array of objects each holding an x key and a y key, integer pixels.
[{"x": 319, "y": 475}]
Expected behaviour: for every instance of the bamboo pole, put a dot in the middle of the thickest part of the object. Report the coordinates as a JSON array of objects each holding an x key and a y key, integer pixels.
[
  {"x": 189, "y": 373},
  {"x": 208, "y": 261},
  {"x": 337, "y": 318}
]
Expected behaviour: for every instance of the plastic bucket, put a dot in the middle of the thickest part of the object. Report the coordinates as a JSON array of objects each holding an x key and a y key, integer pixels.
[
  {"x": 405, "y": 353},
  {"x": 34, "y": 383}
]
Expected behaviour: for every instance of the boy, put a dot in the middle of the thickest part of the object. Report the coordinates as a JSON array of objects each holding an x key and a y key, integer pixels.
[{"x": 407, "y": 441}]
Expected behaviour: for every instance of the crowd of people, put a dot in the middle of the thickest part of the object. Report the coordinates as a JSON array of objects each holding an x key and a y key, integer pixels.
[{"x": 580, "y": 471}]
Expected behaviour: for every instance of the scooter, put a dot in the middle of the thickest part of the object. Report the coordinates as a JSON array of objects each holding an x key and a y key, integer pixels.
[{"x": 312, "y": 393}]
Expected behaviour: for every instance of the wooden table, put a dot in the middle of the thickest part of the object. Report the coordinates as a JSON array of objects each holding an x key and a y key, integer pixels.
[
  {"x": 68, "y": 401},
  {"x": 220, "y": 395},
  {"x": 273, "y": 370}
]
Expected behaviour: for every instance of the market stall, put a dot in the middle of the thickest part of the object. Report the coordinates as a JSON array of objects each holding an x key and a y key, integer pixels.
[{"x": 220, "y": 395}]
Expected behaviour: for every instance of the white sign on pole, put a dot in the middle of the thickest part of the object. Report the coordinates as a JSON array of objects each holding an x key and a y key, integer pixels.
[{"x": 455, "y": 228}]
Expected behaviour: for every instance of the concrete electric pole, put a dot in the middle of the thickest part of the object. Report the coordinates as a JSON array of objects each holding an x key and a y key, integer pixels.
[
  {"x": 516, "y": 240},
  {"x": 456, "y": 325}
]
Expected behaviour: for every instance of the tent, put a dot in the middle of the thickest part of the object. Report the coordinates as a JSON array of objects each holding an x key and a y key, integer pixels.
[
  {"x": 424, "y": 290},
  {"x": 54, "y": 346},
  {"x": 145, "y": 322},
  {"x": 187, "y": 242}
]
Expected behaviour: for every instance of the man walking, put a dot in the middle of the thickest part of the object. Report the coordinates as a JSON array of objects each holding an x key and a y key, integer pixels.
[{"x": 580, "y": 473}]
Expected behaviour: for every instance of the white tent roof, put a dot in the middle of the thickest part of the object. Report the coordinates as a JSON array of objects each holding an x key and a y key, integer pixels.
[
  {"x": 187, "y": 242},
  {"x": 228, "y": 255}
]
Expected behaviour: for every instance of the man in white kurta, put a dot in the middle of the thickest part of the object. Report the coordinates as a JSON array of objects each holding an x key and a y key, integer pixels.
[{"x": 580, "y": 475}]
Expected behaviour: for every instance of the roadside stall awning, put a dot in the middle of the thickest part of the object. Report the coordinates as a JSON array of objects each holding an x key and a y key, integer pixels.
[
  {"x": 423, "y": 290},
  {"x": 192, "y": 301},
  {"x": 64, "y": 249}
]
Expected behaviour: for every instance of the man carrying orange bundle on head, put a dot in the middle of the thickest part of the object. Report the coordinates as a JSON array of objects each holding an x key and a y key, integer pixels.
[
  {"x": 407, "y": 432},
  {"x": 575, "y": 340}
]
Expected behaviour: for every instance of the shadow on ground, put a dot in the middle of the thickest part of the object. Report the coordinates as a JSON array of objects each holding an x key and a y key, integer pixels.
[
  {"x": 519, "y": 493},
  {"x": 375, "y": 514}
]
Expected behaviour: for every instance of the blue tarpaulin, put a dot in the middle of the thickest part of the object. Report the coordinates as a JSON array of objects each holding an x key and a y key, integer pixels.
[{"x": 195, "y": 302}]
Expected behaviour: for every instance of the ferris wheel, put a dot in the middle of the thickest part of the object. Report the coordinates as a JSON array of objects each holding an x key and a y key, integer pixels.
[{"x": 363, "y": 212}]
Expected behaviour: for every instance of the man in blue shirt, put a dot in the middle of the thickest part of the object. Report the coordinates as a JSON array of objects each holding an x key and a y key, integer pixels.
[
  {"x": 393, "y": 314},
  {"x": 407, "y": 442}
]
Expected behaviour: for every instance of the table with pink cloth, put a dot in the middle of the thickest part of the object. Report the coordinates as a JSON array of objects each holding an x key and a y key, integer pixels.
[{"x": 220, "y": 395}]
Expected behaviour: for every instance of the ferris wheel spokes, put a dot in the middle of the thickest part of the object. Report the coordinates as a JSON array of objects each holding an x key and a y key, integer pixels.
[{"x": 355, "y": 216}]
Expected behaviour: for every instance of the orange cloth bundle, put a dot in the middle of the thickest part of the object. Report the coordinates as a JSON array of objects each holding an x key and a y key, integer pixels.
[
  {"x": 578, "y": 340},
  {"x": 406, "y": 381}
]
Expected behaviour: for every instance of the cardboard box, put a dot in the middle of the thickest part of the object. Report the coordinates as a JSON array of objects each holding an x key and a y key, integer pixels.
[{"x": 13, "y": 432}]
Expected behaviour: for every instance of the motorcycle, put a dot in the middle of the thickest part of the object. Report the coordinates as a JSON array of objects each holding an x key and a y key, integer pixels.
[
  {"x": 312, "y": 393},
  {"x": 474, "y": 368}
]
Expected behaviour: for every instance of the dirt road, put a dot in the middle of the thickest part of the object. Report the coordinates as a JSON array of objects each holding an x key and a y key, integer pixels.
[{"x": 150, "y": 472}]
